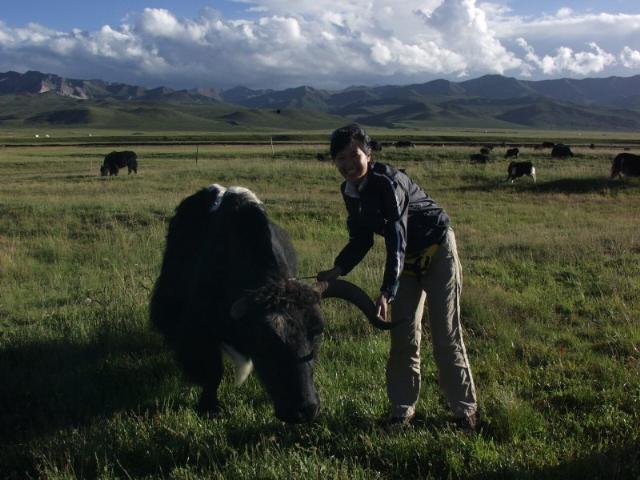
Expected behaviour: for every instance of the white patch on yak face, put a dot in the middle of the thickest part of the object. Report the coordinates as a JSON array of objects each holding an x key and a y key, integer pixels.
[{"x": 243, "y": 365}]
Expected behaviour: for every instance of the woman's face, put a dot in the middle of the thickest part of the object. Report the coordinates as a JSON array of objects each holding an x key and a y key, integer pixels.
[{"x": 352, "y": 163}]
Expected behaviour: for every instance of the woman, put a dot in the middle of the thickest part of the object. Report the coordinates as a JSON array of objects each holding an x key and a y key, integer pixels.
[{"x": 421, "y": 263}]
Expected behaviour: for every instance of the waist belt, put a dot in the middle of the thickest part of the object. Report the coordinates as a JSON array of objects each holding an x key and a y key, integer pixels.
[{"x": 416, "y": 264}]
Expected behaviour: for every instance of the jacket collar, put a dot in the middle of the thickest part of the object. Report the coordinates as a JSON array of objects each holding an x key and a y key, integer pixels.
[{"x": 352, "y": 189}]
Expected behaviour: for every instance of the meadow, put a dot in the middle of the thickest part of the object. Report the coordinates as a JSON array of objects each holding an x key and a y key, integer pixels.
[{"x": 551, "y": 307}]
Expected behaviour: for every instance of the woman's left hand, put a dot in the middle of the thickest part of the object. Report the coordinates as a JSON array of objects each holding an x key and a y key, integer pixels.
[{"x": 382, "y": 306}]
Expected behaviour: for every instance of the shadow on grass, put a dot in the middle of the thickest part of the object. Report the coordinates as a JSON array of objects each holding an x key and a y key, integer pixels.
[
  {"x": 49, "y": 385},
  {"x": 616, "y": 462},
  {"x": 586, "y": 185}
]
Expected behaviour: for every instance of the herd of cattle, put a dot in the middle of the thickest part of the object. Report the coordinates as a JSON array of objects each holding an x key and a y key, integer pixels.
[
  {"x": 627, "y": 164},
  {"x": 624, "y": 164}
]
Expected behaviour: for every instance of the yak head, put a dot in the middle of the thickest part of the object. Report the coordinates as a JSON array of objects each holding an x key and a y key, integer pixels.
[
  {"x": 282, "y": 326},
  {"x": 104, "y": 170}
]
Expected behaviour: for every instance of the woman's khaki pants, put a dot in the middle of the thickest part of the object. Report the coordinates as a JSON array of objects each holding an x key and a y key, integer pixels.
[{"x": 441, "y": 285}]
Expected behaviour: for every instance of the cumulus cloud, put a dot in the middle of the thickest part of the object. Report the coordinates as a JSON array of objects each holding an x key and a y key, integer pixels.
[
  {"x": 330, "y": 44},
  {"x": 566, "y": 60},
  {"x": 630, "y": 58}
]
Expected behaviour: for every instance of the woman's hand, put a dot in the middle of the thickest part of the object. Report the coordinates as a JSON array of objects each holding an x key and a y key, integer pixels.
[
  {"x": 382, "y": 306},
  {"x": 329, "y": 275}
]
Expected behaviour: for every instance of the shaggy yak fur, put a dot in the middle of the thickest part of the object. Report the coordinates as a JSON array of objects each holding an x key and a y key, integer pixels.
[{"x": 226, "y": 286}]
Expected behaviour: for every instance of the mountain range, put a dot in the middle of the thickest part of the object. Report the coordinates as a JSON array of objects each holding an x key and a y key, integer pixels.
[{"x": 40, "y": 99}]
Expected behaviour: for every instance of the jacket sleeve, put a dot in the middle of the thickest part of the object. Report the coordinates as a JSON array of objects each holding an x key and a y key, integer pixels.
[
  {"x": 360, "y": 242},
  {"x": 395, "y": 207}
]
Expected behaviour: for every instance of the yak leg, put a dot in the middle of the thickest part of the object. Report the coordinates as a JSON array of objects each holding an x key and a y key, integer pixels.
[
  {"x": 209, "y": 404},
  {"x": 200, "y": 357}
]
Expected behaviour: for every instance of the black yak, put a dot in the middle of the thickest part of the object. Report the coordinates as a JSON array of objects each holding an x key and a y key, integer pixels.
[
  {"x": 626, "y": 164},
  {"x": 114, "y": 161},
  {"x": 227, "y": 284},
  {"x": 561, "y": 151},
  {"x": 518, "y": 169},
  {"x": 512, "y": 152}
]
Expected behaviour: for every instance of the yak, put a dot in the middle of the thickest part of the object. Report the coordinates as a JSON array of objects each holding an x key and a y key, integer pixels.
[
  {"x": 518, "y": 169},
  {"x": 228, "y": 284},
  {"x": 512, "y": 152},
  {"x": 561, "y": 151},
  {"x": 626, "y": 164},
  {"x": 114, "y": 161}
]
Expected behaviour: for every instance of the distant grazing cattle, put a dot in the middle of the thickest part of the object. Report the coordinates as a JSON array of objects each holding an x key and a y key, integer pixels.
[
  {"x": 512, "y": 152},
  {"x": 321, "y": 157},
  {"x": 626, "y": 164},
  {"x": 405, "y": 144},
  {"x": 117, "y": 160},
  {"x": 485, "y": 150},
  {"x": 592, "y": 146},
  {"x": 561, "y": 151},
  {"x": 518, "y": 169},
  {"x": 479, "y": 158}
]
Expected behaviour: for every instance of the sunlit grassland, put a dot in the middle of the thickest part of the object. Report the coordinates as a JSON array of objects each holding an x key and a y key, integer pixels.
[{"x": 550, "y": 306}]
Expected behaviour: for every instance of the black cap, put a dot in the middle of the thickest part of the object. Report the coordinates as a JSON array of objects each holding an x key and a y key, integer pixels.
[{"x": 343, "y": 136}]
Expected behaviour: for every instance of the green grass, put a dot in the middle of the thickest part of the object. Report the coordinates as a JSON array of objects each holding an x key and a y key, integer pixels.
[
  {"x": 550, "y": 306},
  {"x": 291, "y": 129}
]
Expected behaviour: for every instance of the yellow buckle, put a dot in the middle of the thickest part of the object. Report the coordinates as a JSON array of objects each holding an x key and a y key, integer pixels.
[{"x": 415, "y": 265}]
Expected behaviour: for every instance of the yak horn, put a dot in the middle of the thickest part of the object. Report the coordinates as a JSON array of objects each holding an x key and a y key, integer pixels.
[{"x": 355, "y": 295}]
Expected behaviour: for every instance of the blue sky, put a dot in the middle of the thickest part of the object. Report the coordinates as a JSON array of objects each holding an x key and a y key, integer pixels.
[
  {"x": 323, "y": 43},
  {"x": 90, "y": 15}
]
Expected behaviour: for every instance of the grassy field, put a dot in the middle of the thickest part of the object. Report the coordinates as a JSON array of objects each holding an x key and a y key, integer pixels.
[
  {"x": 50, "y": 136},
  {"x": 551, "y": 306}
]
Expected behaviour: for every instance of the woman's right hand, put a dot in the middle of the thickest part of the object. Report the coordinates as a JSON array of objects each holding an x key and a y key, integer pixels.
[{"x": 329, "y": 275}]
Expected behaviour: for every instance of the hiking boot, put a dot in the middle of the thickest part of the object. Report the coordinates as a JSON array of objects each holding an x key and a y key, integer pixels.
[
  {"x": 396, "y": 422},
  {"x": 468, "y": 423}
]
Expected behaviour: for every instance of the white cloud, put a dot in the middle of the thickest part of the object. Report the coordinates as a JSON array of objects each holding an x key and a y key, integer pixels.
[
  {"x": 331, "y": 44},
  {"x": 630, "y": 58},
  {"x": 564, "y": 12},
  {"x": 566, "y": 60}
]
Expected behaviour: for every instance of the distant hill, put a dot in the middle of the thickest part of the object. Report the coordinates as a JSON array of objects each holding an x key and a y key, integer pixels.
[{"x": 35, "y": 98}]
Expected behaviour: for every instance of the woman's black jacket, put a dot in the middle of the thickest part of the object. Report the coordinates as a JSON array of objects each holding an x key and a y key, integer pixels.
[{"x": 389, "y": 203}]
